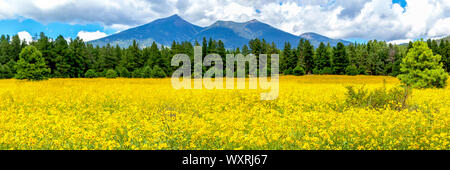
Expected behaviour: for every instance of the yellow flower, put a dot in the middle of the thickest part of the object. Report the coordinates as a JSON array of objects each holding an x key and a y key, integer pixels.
[{"x": 149, "y": 114}]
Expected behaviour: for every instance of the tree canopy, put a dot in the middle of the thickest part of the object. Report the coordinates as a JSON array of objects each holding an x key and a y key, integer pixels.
[
  {"x": 73, "y": 58},
  {"x": 422, "y": 69}
]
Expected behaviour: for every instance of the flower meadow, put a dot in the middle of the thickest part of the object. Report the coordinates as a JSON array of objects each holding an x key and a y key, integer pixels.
[{"x": 148, "y": 114}]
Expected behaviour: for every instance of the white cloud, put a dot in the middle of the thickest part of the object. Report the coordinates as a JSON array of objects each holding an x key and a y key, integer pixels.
[
  {"x": 118, "y": 27},
  {"x": 366, "y": 19},
  {"x": 400, "y": 41},
  {"x": 440, "y": 28},
  {"x": 23, "y": 35},
  {"x": 88, "y": 36}
]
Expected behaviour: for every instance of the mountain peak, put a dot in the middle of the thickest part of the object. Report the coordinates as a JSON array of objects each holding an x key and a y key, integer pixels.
[
  {"x": 174, "y": 20},
  {"x": 234, "y": 34},
  {"x": 253, "y": 21},
  {"x": 174, "y": 16}
]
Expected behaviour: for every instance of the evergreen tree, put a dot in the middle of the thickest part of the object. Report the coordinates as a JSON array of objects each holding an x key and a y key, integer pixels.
[
  {"x": 421, "y": 69},
  {"x": 444, "y": 51},
  {"x": 204, "y": 47},
  {"x": 245, "y": 50},
  {"x": 132, "y": 57},
  {"x": 5, "y": 72},
  {"x": 16, "y": 47},
  {"x": 154, "y": 56},
  {"x": 221, "y": 49},
  {"x": 45, "y": 46},
  {"x": 340, "y": 60},
  {"x": 59, "y": 65},
  {"x": 76, "y": 58},
  {"x": 291, "y": 59},
  {"x": 255, "y": 46},
  {"x": 308, "y": 57},
  {"x": 31, "y": 65},
  {"x": 157, "y": 72},
  {"x": 322, "y": 58}
]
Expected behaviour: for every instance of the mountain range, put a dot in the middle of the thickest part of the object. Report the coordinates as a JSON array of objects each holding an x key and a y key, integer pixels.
[{"x": 234, "y": 34}]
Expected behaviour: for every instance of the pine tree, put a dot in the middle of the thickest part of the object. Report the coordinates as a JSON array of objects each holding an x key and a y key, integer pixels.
[
  {"x": 4, "y": 48},
  {"x": 155, "y": 56},
  {"x": 444, "y": 51},
  {"x": 59, "y": 65},
  {"x": 322, "y": 58},
  {"x": 31, "y": 65},
  {"x": 45, "y": 46},
  {"x": 204, "y": 47},
  {"x": 16, "y": 47},
  {"x": 245, "y": 50},
  {"x": 76, "y": 58},
  {"x": 308, "y": 57},
  {"x": 340, "y": 60},
  {"x": 421, "y": 69},
  {"x": 291, "y": 59}
]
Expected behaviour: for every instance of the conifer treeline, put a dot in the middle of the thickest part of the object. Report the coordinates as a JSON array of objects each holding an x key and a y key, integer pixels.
[{"x": 75, "y": 59}]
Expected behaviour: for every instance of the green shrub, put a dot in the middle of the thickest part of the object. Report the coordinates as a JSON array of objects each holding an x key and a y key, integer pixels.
[
  {"x": 111, "y": 74},
  {"x": 90, "y": 74},
  {"x": 122, "y": 71},
  {"x": 316, "y": 71},
  {"x": 5, "y": 72},
  {"x": 288, "y": 71},
  {"x": 351, "y": 70},
  {"x": 137, "y": 73},
  {"x": 394, "y": 98},
  {"x": 299, "y": 71},
  {"x": 157, "y": 72},
  {"x": 326, "y": 71},
  {"x": 147, "y": 72}
]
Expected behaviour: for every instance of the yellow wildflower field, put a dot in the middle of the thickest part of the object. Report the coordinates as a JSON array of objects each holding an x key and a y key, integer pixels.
[{"x": 149, "y": 114}]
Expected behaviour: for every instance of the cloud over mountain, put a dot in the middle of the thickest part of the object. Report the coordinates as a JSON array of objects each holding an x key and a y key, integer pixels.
[
  {"x": 234, "y": 34},
  {"x": 367, "y": 19}
]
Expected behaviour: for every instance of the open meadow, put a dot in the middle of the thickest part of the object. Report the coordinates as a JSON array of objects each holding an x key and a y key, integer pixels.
[{"x": 309, "y": 114}]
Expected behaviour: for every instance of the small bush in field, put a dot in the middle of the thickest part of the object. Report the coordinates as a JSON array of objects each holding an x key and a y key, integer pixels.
[
  {"x": 111, "y": 74},
  {"x": 380, "y": 98}
]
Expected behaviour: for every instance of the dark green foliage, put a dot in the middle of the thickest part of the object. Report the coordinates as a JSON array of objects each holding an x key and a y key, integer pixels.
[
  {"x": 288, "y": 71},
  {"x": 5, "y": 72},
  {"x": 322, "y": 59},
  {"x": 60, "y": 64},
  {"x": 290, "y": 58},
  {"x": 340, "y": 59},
  {"x": 422, "y": 69},
  {"x": 157, "y": 72},
  {"x": 380, "y": 98},
  {"x": 326, "y": 71},
  {"x": 137, "y": 73},
  {"x": 90, "y": 74},
  {"x": 122, "y": 72},
  {"x": 351, "y": 70},
  {"x": 111, "y": 74},
  {"x": 298, "y": 71},
  {"x": 147, "y": 72},
  {"x": 74, "y": 59},
  {"x": 307, "y": 54},
  {"x": 31, "y": 65}
]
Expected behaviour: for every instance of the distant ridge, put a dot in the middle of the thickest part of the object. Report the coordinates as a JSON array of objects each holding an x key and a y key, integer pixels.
[{"x": 234, "y": 34}]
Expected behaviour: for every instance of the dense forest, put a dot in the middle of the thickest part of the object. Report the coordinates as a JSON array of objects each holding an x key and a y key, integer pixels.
[{"x": 76, "y": 59}]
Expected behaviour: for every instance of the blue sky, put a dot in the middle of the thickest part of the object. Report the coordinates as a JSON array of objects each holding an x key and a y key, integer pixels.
[
  {"x": 354, "y": 20},
  {"x": 13, "y": 26}
]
